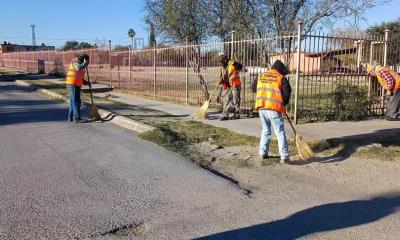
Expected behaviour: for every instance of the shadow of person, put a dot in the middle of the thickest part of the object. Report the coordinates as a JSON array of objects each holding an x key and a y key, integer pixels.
[{"x": 327, "y": 217}]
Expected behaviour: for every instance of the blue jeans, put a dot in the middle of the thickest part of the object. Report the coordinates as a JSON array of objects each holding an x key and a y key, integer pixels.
[
  {"x": 74, "y": 95},
  {"x": 275, "y": 120}
]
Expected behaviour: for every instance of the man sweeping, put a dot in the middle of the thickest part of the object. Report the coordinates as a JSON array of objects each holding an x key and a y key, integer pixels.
[
  {"x": 75, "y": 80},
  {"x": 273, "y": 94},
  {"x": 390, "y": 81},
  {"x": 230, "y": 86}
]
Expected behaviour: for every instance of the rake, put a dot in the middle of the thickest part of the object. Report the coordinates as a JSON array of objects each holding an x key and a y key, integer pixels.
[
  {"x": 94, "y": 112},
  {"x": 201, "y": 113},
  {"x": 304, "y": 150}
]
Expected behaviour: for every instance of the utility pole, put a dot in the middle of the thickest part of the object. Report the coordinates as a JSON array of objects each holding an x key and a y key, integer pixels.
[{"x": 33, "y": 35}]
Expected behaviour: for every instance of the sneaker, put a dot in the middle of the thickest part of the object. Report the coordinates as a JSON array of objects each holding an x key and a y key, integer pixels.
[
  {"x": 224, "y": 118},
  {"x": 263, "y": 157},
  {"x": 285, "y": 160},
  {"x": 80, "y": 121}
]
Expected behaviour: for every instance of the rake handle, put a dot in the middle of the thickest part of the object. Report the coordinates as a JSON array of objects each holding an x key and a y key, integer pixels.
[
  {"x": 213, "y": 91},
  {"x": 90, "y": 86},
  {"x": 291, "y": 125}
]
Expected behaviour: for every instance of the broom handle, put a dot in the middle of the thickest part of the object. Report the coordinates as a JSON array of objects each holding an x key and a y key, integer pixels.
[
  {"x": 290, "y": 123},
  {"x": 90, "y": 86},
  {"x": 214, "y": 90}
]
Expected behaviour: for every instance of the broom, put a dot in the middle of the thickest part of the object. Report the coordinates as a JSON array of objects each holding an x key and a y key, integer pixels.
[
  {"x": 94, "y": 113},
  {"x": 201, "y": 113},
  {"x": 304, "y": 150}
]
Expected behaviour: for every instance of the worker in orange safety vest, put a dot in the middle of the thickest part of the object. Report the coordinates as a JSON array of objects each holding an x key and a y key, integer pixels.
[
  {"x": 390, "y": 81},
  {"x": 230, "y": 86},
  {"x": 273, "y": 94},
  {"x": 75, "y": 80}
]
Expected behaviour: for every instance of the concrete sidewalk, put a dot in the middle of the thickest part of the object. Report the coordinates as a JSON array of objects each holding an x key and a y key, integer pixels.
[{"x": 375, "y": 128}]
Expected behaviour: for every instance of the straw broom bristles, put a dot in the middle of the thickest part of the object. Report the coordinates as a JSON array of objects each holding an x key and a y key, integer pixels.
[
  {"x": 201, "y": 113},
  {"x": 94, "y": 113},
  {"x": 304, "y": 150}
]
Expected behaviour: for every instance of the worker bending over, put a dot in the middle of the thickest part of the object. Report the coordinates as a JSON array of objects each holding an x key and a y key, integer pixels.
[
  {"x": 75, "y": 80},
  {"x": 230, "y": 86},
  {"x": 390, "y": 81}
]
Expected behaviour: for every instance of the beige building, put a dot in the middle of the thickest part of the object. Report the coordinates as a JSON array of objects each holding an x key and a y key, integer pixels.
[{"x": 319, "y": 62}]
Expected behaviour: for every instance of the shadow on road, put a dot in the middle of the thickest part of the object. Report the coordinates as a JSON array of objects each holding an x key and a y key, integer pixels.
[
  {"x": 17, "y": 115},
  {"x": 327, "y": 217}
]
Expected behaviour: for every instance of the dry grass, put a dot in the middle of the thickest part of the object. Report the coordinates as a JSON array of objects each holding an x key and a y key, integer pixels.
[{"x": 388, "y": 152}]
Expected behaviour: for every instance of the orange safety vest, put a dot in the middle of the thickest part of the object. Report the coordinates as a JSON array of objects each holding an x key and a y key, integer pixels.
[
  {"x": 382, "y": 81},
  {"x": 233, "y": 74},
  {"x": 75, "y": 77},
  {"x": 269, "y": 94}
]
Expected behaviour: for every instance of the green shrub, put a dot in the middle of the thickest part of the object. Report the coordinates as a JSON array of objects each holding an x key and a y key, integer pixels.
[{"x": 350, "y": 102}]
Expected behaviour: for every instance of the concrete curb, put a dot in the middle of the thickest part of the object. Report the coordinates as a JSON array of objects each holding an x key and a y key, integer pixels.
[
  {"x": 41, "y": 90},
  {"x": 116, "y": 119}
]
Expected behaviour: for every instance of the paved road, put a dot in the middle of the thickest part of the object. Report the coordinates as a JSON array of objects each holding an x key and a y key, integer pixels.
[{"x": 61, "y": 180}]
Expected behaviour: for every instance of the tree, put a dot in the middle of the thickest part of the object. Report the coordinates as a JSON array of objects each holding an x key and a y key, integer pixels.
[
  {"x": 152, "y": 34},
  {"x": 70, "y": 45},
  {"x": 84, "y": 45},
  {"x": 393, "y": 46},
  {"x": 379, "y": 30},
  {"x": 200, "y": 20},
  {"x": 178, "y": 20},
  {"x": 120, "y": 48},
  {"x": 75, "y": 45},
  {"x": 132, "y": 34}
]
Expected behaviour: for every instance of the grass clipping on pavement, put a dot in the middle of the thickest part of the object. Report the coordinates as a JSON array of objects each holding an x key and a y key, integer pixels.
[
  {"x": 386, "y": 151},
  {"x": 183, "y": 137}
]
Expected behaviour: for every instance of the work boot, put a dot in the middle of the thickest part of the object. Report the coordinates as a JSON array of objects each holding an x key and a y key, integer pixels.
[{"x": 224, "y": 118}]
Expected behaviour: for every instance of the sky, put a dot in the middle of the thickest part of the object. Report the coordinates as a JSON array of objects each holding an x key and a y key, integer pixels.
[{"x": 102, "y": 20}]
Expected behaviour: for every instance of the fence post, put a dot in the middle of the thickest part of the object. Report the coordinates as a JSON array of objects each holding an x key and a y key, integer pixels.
[
  {"x": 109, "y": 62},
  {"x": 232, "y": 39},
  {"x": 296, "y": 96},
  {"x": 119, "y": 77},
  {"x": 130, "y": 69},
  {"x": 19, "y": 59},
  {"x": 384, "y": 64},
  {"x": 370, "y": 63},
  {"x": 187, "y": 71},
  {"x": 154, "y": 71}
]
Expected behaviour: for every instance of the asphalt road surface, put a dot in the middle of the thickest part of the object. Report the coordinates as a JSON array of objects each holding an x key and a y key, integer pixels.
[{"x": 61, "y": 180}]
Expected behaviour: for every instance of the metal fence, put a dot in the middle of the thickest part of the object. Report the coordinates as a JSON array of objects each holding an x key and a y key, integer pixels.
[{"x": 318, "y": 64}]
